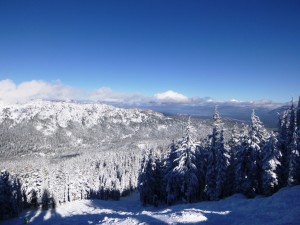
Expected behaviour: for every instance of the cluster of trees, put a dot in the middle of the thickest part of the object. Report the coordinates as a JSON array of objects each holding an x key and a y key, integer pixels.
[
  {"x": 252, "y": 161},
  {"x": 10, "y": 196},
  {"x": 45, "y": 184}
]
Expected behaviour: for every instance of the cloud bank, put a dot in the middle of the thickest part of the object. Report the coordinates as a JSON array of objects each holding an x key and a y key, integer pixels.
[{"x": 11, "y": 93}]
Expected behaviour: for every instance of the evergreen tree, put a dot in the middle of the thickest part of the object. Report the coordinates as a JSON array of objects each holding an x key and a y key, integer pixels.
[
  {"x": 147, "y": 183},
  {"x": 222, "y": 164},
  {"x": 183, "y": 181},
  {"x": 292, "y": 124},
  {"x": 234, "y": 145},
  {"x": 201, "y": 164},
  {"x": 288, "y": 143},
  {"x": 170, "y": 164},
  {"x": 294, "y": 166},
  {"x": 270, "y": 160},
  {"x": 159, "y": 187},
  {"x": 258, "y": 136},
  {"x": 239, "y": 167},
  {"x": 283, "y": 147},
  {"x": 298, "y": 115},
  {"x": 248, "y": 167},
  {"x": 249, "y": 162},
  {"x": 217, "y": 161},
  {"x": 150, "y": 179}
]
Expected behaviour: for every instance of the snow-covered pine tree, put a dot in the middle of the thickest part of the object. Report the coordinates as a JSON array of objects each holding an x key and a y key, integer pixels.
[
  {"x": 248, "y": 168},
  {"x": 283, "y": 148},
  {"x": 298, "y": 125},
  {"x": 251, "y": 158},
  {"x": 186, "y": 170},
  {"x": 294, "y": 165},
  {"x": 168, "y": 181},
  {"x": 222, "y": 168},
  {"x": 239, "y": 167},
  {"x": 292, "y": 123},
  {"x": 249, "y": 164},
  {"x": 293, "y": 145},
  {"x": 298, "y": 115},
  {"x": 159, "y": 188},
  {"x": 259, "y": 136},
  {"x": 148, "y": 184},
  {"x": 218, "y": 160},
  {"x": 234, "y": 144},
  {"x": 286, "y": 137},
  {"x": 201, "y": 164},
  {"x": 182, "y": 181},
  {"x": 270, "y": 165},
  {"x": 211, "y": 178}
]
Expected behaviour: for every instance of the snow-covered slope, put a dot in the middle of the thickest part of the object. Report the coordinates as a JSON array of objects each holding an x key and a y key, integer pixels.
[{"x": 283, "y": 208}]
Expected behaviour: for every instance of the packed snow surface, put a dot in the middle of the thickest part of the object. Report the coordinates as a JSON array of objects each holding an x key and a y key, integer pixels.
[{"x": 283, "y": 208}]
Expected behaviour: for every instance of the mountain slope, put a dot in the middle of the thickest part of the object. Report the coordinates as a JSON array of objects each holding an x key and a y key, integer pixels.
[{"x": 45, "y": 126}]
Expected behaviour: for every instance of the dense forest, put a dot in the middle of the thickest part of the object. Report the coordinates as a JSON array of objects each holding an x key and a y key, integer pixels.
[
  {"x": 248, "y": 159},
  {"x": 253, "y": 161}
]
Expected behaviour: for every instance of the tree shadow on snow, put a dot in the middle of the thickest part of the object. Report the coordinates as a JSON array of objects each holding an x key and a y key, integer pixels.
[
  {"x": 109, "y": 215},
  {"x": 99, "y": 212}
]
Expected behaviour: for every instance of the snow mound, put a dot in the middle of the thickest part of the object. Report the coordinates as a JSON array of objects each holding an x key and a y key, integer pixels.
[{"x": 280, "y": 209}]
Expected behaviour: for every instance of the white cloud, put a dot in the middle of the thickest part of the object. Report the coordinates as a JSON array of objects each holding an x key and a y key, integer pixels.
[
  {"x": 171, "y": 96},
  {"x": 234, "y": 100},
  {"x": 105, "y": 94},
  {"x": 10, "y": 92}
]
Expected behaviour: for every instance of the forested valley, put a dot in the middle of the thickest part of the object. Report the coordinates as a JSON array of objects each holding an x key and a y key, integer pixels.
[{"x": 194, "y": 161}]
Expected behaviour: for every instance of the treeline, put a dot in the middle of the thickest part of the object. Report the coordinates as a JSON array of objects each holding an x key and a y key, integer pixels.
[
  {"x": 252, "y": 161},
  {"x": 44, "y": 184}
]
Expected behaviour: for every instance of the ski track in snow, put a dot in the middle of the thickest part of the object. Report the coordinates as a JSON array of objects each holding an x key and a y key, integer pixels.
[{"x": 283, "y": 208}]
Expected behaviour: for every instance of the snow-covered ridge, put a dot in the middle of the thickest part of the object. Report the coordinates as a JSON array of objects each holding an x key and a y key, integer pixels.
[
  {"x": 60, "y": 114},
  {"x": 45, "y": 126}
]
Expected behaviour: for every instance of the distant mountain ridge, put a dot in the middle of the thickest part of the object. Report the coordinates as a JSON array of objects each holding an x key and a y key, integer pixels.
[
  {"x": 238, "y": 112},
  {"x": 44, "y": 126},
  {"x": 59, "y": 114}
]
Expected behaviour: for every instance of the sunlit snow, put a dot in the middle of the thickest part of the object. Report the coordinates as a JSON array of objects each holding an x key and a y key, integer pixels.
[{"x": 281, "y": 208}]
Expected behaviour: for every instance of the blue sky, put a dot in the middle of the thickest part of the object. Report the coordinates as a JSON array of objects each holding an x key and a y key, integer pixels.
[{"x": 245, "y": 50}]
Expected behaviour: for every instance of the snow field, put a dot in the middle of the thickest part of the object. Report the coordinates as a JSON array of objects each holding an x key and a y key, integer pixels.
[{"x": 283, "y": 208}]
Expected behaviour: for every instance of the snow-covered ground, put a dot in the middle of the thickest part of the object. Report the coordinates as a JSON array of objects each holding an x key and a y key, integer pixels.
[{"x": 283, "y": 208}]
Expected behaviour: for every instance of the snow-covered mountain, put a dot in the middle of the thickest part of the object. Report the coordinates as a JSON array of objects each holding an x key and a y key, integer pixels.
[
  {"x": 60, "y": 114},
  {"x": 45, "y": 126}
]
